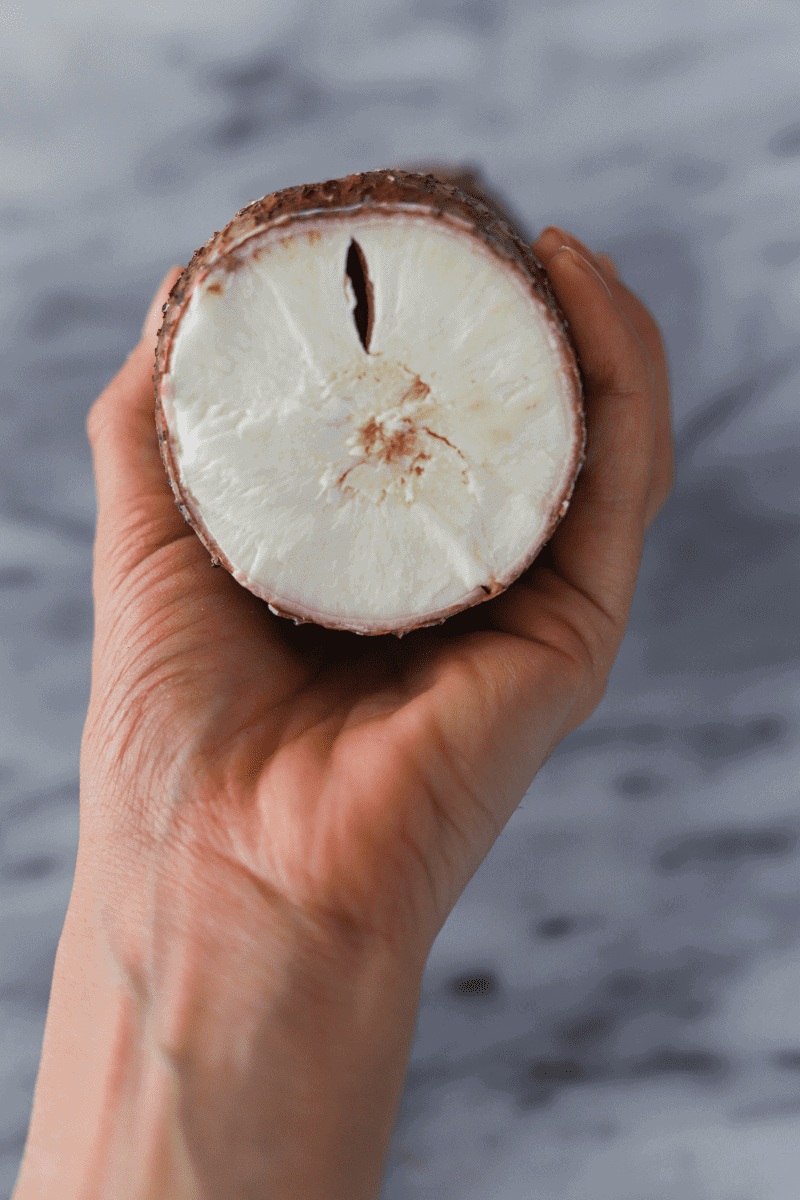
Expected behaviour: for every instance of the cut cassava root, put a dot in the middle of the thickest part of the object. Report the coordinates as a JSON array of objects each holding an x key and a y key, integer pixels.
[{"x": 368, "y": 401}]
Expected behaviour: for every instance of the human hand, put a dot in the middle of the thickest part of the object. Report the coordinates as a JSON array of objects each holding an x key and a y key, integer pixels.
[
  {"x": 354, "y": 782},
  {"x": 276, "y": 820}
]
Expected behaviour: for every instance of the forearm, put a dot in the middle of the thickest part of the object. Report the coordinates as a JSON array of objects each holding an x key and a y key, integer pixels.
[{"x": 270, "y": 1066}]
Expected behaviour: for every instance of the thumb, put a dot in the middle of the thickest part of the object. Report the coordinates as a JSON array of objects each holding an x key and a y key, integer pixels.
[{"x": 136, "y": 512}]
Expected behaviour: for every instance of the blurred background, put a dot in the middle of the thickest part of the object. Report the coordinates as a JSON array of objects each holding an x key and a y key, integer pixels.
[{"x": 612, "y": 1011}]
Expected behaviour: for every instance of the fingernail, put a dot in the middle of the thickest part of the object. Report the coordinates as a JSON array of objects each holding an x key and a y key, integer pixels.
[
  {"x": 580, "y": 261},
  {"x": 554, "y": 231}
]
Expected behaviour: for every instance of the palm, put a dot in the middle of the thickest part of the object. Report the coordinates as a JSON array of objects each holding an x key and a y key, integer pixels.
[
  {"x": 337, "y": 762},
  {"x": 364, "y": 777}
]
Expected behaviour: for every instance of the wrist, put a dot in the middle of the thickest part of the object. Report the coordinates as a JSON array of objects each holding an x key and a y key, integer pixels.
[
  {"x": 288, "y": 1043},
  {"x": 258, "y": 1053},
  {"x": 295, "y": 1094}
]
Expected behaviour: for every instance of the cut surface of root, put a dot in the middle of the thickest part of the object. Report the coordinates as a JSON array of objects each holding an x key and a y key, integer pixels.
[{"x": 373, "y": 418}]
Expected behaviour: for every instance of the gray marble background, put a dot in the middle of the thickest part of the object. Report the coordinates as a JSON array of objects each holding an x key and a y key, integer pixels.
[{"x": 612, "y": 1011}]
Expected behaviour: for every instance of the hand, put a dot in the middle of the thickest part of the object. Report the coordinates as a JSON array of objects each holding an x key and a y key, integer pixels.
[
  {"x": 277, "y": 820},
  {"x": 354, "y": 782}
]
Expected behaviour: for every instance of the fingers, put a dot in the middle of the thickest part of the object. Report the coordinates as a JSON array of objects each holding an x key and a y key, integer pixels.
[
  {"x": 620, "y": 400},
  {"x": 583, "y": 600},
  {"x": 607, "y": 264},
  {"x": 135, "y": 508},
  {"x": 546, "y": 246}
]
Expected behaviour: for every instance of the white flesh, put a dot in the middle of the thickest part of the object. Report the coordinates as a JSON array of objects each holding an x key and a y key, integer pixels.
[{"x": 281, "y": 421}]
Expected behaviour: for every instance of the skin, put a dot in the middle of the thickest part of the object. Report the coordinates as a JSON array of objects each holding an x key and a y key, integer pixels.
[
  {"x": 361, "y": 780},
  {"x": 276, "y": 820}
]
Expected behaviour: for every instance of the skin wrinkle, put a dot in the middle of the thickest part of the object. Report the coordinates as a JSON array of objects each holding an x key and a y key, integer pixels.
[
  {"x": 157, "y": 550},
  {"x": 472, "y": 791},
  {"x": 447, "y": 820},
  {"x": 163, "y": 542},
  {"x": 588, "y": 655},
  {"x": 608, "y": 617},
  {"x": 155, "y": 673},
  {"x": 443, "y": 819},
  {"x": 278, "y": 738},
  {"x": 474, "y": 680}
]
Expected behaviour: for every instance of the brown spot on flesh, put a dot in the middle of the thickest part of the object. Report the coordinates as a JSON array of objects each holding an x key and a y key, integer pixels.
[
  {"x": 215, "y": 288},
  {"x": 234, "y": 262},
  {"x": 388, "y": 448},
  {"x": 418, "y": 391},
  {"x": 399, "y": 445},
  {"x": 369, "y": 435},
  {"x": 380, "y": 448}
]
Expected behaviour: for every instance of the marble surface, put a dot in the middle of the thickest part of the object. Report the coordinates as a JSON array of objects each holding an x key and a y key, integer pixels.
[{"x": 612, "y": 1012}]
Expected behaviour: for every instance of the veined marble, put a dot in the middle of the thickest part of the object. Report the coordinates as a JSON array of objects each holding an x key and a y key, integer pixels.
[{"x": 612, "y": 1011}]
